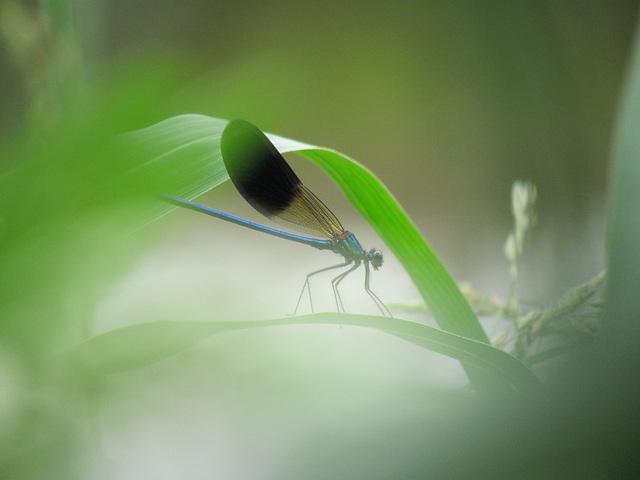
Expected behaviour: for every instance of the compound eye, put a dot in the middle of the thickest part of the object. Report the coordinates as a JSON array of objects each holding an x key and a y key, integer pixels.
[{"x": 375, "y": 258}]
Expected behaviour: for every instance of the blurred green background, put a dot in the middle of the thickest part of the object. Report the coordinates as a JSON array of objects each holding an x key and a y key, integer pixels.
[{"x": 448, "y": 102}]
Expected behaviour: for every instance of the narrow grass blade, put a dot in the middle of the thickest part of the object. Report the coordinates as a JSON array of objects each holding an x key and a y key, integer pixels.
[
  {"x": 141, "y": 345},
  {"x": 191, "y": 144}
]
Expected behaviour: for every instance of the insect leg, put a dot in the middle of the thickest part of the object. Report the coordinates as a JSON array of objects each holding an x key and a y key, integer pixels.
[
  {"x": 307, "y": 286},
  {"x": 336, "y": 282},
  {"x": 379, "y": 303}
]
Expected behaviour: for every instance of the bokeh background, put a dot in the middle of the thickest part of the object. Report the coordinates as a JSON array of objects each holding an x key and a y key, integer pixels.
[{"x": 448, "y": 102}]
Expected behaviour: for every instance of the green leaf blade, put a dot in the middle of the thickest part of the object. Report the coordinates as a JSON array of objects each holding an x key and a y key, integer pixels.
[
  {"x": 378, "y": 206},
  {"x": 144, "y": 344},
  {"x": 199, "y": 169}
]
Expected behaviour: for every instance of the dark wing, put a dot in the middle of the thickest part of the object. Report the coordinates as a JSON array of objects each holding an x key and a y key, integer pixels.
[{"x": 266, "y": 181}]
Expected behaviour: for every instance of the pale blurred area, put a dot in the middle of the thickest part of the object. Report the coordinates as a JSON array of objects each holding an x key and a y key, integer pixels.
[{"x": 448, "y": 103}]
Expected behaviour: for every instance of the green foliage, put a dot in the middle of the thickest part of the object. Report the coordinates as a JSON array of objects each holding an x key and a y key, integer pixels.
[
  {"x": 190, "y": 145},
  {"x": 142, "y": 345},
  {"x": 77, "y": 182}
]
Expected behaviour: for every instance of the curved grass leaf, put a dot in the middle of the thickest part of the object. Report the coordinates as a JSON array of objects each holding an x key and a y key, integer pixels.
[
  {"x": 186, "y": 150},
  {"x": 144, "y": 344},
  {"x": 376, "y": 204}
]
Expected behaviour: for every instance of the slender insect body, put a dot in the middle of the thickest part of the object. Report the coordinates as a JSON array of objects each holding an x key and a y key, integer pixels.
[{"x": 267, "y": 183}]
